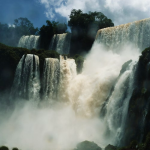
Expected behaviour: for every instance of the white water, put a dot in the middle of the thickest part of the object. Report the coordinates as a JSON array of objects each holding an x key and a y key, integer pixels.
[
  {"x": 74, "y": 117},
  {"x": 61, "y": 43},
  {"x": 29, "y": 42},
  {"x": 67, "y": 73},
  {"x": 135, "y": 33},
  {"x": 117, "y": 106},
  {"x": 51, "y": 78},
  {"x": 27, "y": 83},
  {"x": 89, "y": 90}
]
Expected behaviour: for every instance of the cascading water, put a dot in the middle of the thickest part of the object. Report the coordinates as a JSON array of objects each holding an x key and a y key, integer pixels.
[
  {"x": 118, "y": 102},
  {"x": 67, "y": 73},
  {"x": 29, "y": 42},
  {"x": 81, "y": 96},
  {"x": 135, "y": 33},
  {"x": 56, "y": 77},
  {"x": 27, "y": 83},
  {"x": 51, "y": 77},
  {"x": 61, "y": 43}
]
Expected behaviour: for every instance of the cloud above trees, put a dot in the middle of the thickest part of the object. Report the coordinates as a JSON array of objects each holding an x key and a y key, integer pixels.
[{"x": 120, "y": 11}]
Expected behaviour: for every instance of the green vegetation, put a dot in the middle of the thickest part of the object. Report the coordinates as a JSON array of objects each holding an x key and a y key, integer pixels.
[
  {"x": 110, "y": 147},
  {"x": 15, "y": 148},
  {"x": 145, "y": 57},
  {"x": 4, "y": 148},
  {"x": 47, "y": 32},
  {"x": 87, "y": 145},
  {"x": 11, "y": 35},
  {"x": 84, "y": 27},
  {"x": 24, "y": 27},
  {"x": 10, "y": 57}
]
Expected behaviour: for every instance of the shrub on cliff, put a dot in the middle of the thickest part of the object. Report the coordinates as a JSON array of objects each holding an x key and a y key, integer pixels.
[
  {"x": 4, "y": 148},
  {"x": 87, "y": 145}
]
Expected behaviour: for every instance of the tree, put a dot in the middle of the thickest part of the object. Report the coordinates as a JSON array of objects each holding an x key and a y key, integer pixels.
[
  {"x": 61, "y": 28},
  {"x": 47, "y": 31},
  {"x": 81, "y": 20},
  {"x": 10, "y": 35},
  {"x": 24, "y": 26},
  {"x": 84, "y": 27}
]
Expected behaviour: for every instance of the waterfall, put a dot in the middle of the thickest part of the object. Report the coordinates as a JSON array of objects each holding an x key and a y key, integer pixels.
[
  {"x": 118, "y": 102},
  {"x": 51, "y": 78},
  {"x": 27, "y": 83},
  {"x": 135, "y": 33},
  {"x": 61, "y": 43},
  {"x": 77, "y": 99},
  {"x": 29, "y": 42},
  {"x": 67, "y": 73},
  {"x": 56, "y": 77}
]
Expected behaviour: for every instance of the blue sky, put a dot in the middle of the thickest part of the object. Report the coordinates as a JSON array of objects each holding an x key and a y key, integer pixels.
[
  {"x": 32, "y": 9},
  {"x": 38, "y": 11}
]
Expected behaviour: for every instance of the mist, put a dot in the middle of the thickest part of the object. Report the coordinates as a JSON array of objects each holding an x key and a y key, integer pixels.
[
  {"x": 89, "y": 90},
  {"x": 57, "y": 127},
  {"x": 61, "y": 125}
]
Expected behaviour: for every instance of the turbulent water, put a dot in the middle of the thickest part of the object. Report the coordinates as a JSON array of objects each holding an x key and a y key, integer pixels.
[
  {"x": 70, "y": 103},
  {"x": 135, "y": 33},
  {"x": 29, "y": 42},
  {"x": 56, "y": 77},
  {"x": 61, "y": 43},
  {"x": 74, "y": 101}
]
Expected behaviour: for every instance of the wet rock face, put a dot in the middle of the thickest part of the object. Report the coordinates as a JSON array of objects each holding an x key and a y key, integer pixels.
[{"x": 138, "y": 118}]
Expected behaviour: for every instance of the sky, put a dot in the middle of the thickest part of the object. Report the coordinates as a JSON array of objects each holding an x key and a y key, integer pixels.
[{"x": 38, "y": 11}]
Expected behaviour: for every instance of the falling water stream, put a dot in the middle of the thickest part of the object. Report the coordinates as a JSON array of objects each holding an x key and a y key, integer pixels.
[{"x": 74, "y": 101}]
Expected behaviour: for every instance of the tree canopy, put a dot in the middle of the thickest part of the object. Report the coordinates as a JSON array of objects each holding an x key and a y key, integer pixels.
[
  {"x": 10, "y": 35},
  {"x": 84, "y": 27},
  {"x": 86, "y": 21},
  {"x": 47, "y": 31},
  {"x": 24, "y": 25}
]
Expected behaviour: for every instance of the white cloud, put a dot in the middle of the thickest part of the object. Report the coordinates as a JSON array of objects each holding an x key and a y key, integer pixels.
[{"x": 120, "y": 11}]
